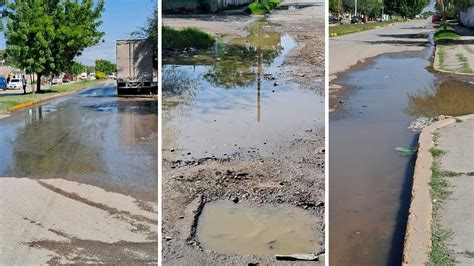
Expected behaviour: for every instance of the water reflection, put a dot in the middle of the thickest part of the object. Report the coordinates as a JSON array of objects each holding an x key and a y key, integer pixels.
[{"x": 451, "y": 97}]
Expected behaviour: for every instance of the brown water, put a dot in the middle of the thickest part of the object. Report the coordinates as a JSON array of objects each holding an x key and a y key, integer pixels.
[
  {"x": 246, "y": 229},
  {"x": 370, "y": 182},
  {"x": 221, "y": 101}
]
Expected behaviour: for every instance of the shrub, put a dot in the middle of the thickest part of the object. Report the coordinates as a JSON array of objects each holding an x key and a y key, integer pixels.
[{"x": 186, "y": 38}]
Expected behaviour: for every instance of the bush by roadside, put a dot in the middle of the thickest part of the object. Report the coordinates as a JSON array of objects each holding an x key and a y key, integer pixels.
[
  {"x": 7, "y": 102},
  {"x": 261, "y": 8},
  {"x": 445, "y": 34},
  {"x": 186, "y": 38}
]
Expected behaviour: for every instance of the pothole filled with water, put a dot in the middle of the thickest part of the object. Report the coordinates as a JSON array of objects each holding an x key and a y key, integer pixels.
[{"x": 266, "y": 230}]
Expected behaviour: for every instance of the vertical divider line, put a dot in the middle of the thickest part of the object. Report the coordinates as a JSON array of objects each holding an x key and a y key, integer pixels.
[
  {"x": 326, "y": 132},
  {"x": 160, "y": 126}
]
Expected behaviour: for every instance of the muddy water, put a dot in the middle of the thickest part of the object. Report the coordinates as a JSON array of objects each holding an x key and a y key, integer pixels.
[
  {"x": 246, "y": 229},
  {"x": 93, "y": 137},
  {"x": 224, "y": 100},
  {"x": 370, "y": 182}
]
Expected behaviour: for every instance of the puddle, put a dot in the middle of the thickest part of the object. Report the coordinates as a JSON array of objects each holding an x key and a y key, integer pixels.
[
  {"x": 450, "y": 97},
  {"x": 266, "y": 230},
  {"x": 218, "y": 101}
]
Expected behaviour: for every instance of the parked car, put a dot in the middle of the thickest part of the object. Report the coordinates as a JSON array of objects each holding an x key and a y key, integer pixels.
[
  {"x": 57, "y": 80},
  {"x": 83, "y": 76},
  {"x": 67, "y": 78},
  {"x": 343, "y": 21},
  {"x": 15, "y": 84},
  {"x": 435, "y": 19},
  {"x": 3, "y": 83},
  {"x": 333, "y": 19},
  {"x": 356, "y": 20}
]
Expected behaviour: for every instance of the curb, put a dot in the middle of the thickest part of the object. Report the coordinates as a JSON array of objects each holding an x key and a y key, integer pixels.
[
  {"x": 41, "y": 100},
  {"x": 438, "y": 69},
  {"x": 417, "y": 244}
]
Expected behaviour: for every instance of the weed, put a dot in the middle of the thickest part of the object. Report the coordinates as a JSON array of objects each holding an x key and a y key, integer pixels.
[
  {"x": 351, "y": 28},
  {"x": 465, "y": 68},
  {"x": 458, "y": 120},
  {"x": 441, "y": 55},
  {"x": 435, "y": 152},
  {"x": 186, "y": 38}
]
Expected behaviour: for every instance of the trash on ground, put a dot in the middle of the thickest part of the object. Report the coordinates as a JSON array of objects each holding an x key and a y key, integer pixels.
[
  {"x": 419, "y": 123},
  {"x": 406, "y": 151}
]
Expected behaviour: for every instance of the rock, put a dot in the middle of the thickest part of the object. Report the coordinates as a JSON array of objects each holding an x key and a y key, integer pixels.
[
  {"x": 235, "y": 200},
  {"x": 275, "y": 84},
  {"x": 168, "y": 238},
  {"x": 419, "y": 123},
  {"x": 188, "y": 153},
  {"x": 441, "y": 117},
  {"x": 171, "y": 150},
  {"x": 321, "y": 150},
  {"x": 341, "y": 101}
]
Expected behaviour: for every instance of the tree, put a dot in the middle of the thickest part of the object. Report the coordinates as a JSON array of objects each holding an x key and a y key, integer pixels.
[
  {"x": 44, "y": 37},
  {"x": 150, "y": 32},
  {"x": 77, "y": 68},
  {"x": 406, "y": 8},
  {"x": 105, "y": 66}
]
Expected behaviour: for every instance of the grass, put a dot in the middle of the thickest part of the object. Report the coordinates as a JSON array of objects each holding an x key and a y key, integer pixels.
[
  {"x": 440, "y": 253},
  {"x": 441, "y": 55},
  {"x": 186, "y": 38},
  {"x": 465, "y": 68},
  {"x": 445, "y": 35},
  {"x": 6, "y": 102},
  {"x": 458, "y": 120},
  {"x": 352, "y": 28},
  {"x": 261, "y": 8}
]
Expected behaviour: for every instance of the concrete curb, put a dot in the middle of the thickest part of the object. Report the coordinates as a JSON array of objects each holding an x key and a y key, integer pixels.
[
  {"x": 417, "y": 243},
  {"x": 41, "y": 100},
  {"x": 437, "y": 68}
]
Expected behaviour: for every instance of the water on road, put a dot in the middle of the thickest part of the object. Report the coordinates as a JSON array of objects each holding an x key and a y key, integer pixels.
[
  {"x": 92, "y": 137},
  {"x": 218, "y": 101},
  {"x": 370, "y": 182}
]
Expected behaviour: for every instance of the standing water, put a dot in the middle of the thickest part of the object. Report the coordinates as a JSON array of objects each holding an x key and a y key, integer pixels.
[
  {"x": 231, "y": 97},
  {"x": 370, "y": 182}
]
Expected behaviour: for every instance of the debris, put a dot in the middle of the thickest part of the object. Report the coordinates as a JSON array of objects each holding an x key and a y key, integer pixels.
[
  {"x": 306, "y": 257},
  {"x": 420, "y": 123},
  {"x": 406, "y": 151}
]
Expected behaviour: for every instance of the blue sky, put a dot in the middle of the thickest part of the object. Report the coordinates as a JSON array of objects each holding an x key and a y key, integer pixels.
[{"x": 120, "y": 18}]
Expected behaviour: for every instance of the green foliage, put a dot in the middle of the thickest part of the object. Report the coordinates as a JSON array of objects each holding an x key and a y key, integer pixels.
[
  {"x": 105, "y": 66},
  {"x": 445, "y": 34},
  {"x": 76, "y": 68},
  {"x": 335, "y": 6},
  {"x": 44, "y": 37},
  {"x": 351, "y": 28},
  {"x": 263, "y": 7},
  {"x": 150, "y": 33},
  {"x": 186, "y": 38}
]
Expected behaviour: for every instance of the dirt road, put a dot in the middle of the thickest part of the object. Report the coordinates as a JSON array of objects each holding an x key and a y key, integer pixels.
[{"x": 287, "y": 169}]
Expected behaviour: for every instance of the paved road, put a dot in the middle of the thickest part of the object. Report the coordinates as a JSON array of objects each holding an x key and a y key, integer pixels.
[
  {"x": 78, "y": 181},
  {"x": 457, "y": 214},
  {"x": 345, "y": 51}
]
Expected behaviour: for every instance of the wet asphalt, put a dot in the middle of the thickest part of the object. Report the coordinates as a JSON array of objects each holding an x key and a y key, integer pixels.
[{"x": 92, "y": 137}]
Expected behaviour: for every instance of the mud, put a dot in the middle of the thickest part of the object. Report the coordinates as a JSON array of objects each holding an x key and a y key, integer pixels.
[{"x": 240, "y": 144}]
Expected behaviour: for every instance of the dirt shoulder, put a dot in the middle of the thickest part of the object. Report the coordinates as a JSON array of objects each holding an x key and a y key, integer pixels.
[{"x": 290, "y": 173}]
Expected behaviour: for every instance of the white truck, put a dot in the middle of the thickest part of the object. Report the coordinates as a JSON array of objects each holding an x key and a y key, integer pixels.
[{"x": 135, "y": 68}]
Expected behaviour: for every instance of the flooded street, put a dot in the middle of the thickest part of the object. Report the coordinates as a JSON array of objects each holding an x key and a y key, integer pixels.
[
  {"x": 229, "y": 98},
  {"x": 92, "y": 137},
  {"x": 370, "y": 182},
  {"x": 78, "y": 181}
]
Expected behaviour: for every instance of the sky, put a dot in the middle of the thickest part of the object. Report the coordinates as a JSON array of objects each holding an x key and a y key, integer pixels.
[{"x": 120, "y": 18}]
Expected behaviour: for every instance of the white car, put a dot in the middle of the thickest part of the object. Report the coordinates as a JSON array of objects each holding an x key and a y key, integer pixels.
[
  {"x": 15, "y": 84},
  {"x": 57, "y": 80}
]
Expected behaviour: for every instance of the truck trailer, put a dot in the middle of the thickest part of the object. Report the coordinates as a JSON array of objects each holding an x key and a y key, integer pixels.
[{"x": 135, "y": 68}]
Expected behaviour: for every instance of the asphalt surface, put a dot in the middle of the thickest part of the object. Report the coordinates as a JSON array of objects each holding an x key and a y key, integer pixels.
[
  {"x": 347, "y": 50},
  {"x": 78, "y": 181}
]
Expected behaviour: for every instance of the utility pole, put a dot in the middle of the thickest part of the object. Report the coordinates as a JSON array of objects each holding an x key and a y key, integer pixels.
[{"x": 355, "y": 12}]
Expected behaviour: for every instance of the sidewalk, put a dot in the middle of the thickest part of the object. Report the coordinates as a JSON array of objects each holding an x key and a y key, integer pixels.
[
  {"x": 456, "y": 214},
  {"x": 456, "y": 57}
]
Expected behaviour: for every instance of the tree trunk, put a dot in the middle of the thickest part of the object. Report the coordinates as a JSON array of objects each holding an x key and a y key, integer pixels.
[{"x": 38, "y": 82}]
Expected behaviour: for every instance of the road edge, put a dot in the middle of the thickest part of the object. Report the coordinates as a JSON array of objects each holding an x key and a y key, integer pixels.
[
  {"x": 48, "y": 98},
  {"x": 417, "y": 244}
]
